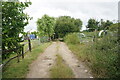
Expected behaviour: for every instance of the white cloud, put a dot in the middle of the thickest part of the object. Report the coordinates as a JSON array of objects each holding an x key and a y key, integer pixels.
[{"x": 83, "y": 9}]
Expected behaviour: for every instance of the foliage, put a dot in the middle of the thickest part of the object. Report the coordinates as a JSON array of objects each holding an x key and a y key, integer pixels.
[
  {"x": 98, "y": 25},
  {"x": 15, "y": 70},
  {"x": 24, "y": 33},
  {"x": 13, "y": 22},
  {"x": 72, "y": 38},
  {"x": 105, "y": 60},
  {"x": 114, "y": 27},
  {"x": 104, "y": 25},
  {"x": 45, "y": 26},
  {"x": 66, "y": 24},
  {"x": 101, "y": 56},
  {"x": 35, "y": 33},
  {"x": 92, "y": 24}
]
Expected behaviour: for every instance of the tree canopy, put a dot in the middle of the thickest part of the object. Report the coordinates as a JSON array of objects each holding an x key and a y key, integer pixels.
[
  {"x": 92, "y": 24},
  {"x": 66, "y": 24},
  {"x": 98, "y": 25},
  {"x": 45, "y": 26},
  {"x": 104, "y": 24}
]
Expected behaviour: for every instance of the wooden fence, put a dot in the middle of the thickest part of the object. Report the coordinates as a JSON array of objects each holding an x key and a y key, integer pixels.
[{"x": 20, "y": 52}]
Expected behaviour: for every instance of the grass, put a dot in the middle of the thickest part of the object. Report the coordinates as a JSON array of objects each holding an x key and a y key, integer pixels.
[
  {"x": 79, "y": 50},
  {"x": 34, "y": 43},
  {"x": 20, "y": 70},
  {"x": 101, "y": 56},
  {"x": 60, "y": 69}
]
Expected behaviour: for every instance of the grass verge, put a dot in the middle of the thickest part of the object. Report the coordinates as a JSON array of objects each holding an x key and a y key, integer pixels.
[
  {"x": 60, "y": 69},
  {"x": 102, "y": 56},
  {"x": 34, "y": 43},
  {"x": 20, "y": 70}
]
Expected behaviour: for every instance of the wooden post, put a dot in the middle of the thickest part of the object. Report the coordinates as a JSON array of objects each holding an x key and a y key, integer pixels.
[
  {"x": 23, "y": 51},
  {"x": 29, "y": 44},
  {"x": 39, "y": 41},
  {"x": 94, "y": 38},
  {"x": 18, "y": 57}
]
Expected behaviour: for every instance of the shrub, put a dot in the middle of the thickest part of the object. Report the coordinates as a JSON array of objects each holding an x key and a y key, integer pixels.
[
  {"x": 72, "y": 38},
  {"x": 105, "y": 60},
  {"x": 101, "y": 56}
]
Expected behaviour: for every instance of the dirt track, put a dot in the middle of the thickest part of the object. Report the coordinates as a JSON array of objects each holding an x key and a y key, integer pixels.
[
  {"x": 41, "y": 66},
  {"x": 78, "y": 68}
]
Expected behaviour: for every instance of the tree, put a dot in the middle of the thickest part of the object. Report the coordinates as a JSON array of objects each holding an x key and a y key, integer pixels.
[
  {"x": 13, "y": 22},
  {"x": 107, "y": 24},
  {"x": 104, "y": 25},
  {"x": 101, "y": 25},
  {"x": 24, "y": 33},
  {"x": 45, "y": 26},
  {"x": 66, "y": 24},
  {"x": 78, "y": 24},
  {"x": 92, "y": 24},
  {"x": 35, "y": 33}
]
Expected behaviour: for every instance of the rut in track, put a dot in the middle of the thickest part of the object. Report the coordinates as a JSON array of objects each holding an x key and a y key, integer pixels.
[
  {"x": 41, "y": 66},
  {"x": 77, "y": 67}
]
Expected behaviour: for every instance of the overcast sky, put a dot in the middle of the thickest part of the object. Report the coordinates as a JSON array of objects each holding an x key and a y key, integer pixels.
[{"x": 83, "y": 9}]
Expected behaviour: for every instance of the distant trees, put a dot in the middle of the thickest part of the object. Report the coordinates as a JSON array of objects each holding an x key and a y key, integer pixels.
[
  {"x": 98, "y": 25},
  {"x": 66, "y": 24},
  {"x": 63, "y": 25},
  {"x": 92, "y": 24},
  {"x": 45, "y": 26},
  {"x": 104, "y": 24},
  {"x": 58, "y": 27}
]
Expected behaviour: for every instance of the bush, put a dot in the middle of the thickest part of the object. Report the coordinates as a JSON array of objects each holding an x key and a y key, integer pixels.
[
  {"x": 114, "y": 27},
  {"x": 105, "y": 60},
  {"x": 101, "y": 56},
  {"x": 72, "y": 38}
]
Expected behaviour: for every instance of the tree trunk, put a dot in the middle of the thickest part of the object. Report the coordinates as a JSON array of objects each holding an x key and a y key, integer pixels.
[{"x": 49, "y": 37}]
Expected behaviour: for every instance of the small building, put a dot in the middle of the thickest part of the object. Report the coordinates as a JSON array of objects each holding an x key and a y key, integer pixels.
[{"x": 32, "y": 36}]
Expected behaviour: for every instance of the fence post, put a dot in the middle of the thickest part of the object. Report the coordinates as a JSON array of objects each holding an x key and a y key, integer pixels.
[
  {"x": 39, "y": 41},
  {"x": 23, "y": 51},
  {"x": 18, "y": 57},
  {"x": 29, "y": 44},
  {"x": 94, "y": 38}
]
